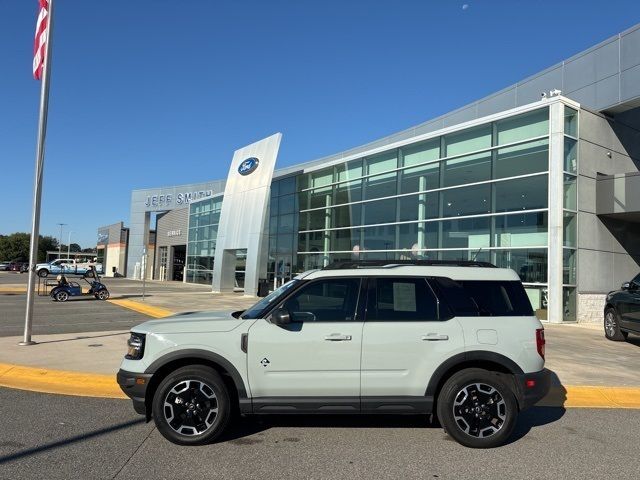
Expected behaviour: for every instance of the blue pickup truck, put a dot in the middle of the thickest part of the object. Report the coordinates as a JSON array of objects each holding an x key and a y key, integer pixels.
[{"x": 66, "y": 266}]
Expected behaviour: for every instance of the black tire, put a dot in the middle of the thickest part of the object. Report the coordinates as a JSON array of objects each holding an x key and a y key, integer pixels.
[
  {"x": 43, "y": 273},
  {"x": 184, "y": 402},
  {"x": 477, "y": 408},
  {"x": 612, "y": 326},
  {"x": 102, "y": 294},
  {"x": 61, "y": 296}
]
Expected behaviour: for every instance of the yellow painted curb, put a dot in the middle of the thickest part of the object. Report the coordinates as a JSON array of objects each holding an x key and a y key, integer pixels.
[
  {"x": 13, "y": 290},
  {"x": 155, "y": 312},
  {"x": 587, "y": 396},
  {"x": 61, "y": 382}
]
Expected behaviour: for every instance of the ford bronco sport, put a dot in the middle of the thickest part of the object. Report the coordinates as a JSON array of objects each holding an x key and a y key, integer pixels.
[{"x": 454, "y": 339}]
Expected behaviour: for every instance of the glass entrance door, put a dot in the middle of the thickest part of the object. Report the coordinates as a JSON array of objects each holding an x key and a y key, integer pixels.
[{"x": 179, "y": 256}]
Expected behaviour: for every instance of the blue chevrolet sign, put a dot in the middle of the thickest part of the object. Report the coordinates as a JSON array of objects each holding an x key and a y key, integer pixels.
[{"x": 248, "y": 166}]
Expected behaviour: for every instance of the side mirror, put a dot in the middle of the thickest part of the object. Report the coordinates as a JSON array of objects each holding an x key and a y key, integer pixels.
[
  {"x": 625, "y": 286},
  {"x": 281, "y": 317}
]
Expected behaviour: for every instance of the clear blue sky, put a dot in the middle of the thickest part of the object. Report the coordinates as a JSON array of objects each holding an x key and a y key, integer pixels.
[{"x": 160, "y": 92}]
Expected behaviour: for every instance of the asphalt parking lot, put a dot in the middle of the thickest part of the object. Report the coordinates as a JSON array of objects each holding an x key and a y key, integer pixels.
[{"x": 59, "y": 437}]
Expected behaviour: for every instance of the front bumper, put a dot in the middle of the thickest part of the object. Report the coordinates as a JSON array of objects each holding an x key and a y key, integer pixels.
[
  {"x": 532, "y": 387},
  {"x": 134, "y": 385}
]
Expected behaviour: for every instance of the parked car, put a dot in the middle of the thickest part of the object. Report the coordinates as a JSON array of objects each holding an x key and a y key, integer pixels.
[
  {"x": 454, "y": 339},
  {"x": 66, "y": 266},
  {"x": 4, "y": 266},
  {"x": 622, "y": 311},
  {"x": 16, "y": 266}
]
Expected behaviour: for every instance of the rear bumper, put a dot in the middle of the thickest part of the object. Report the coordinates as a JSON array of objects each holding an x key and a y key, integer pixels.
[
  {"x": 134, "y": 385},
  {"x": 532, "y": 387}
]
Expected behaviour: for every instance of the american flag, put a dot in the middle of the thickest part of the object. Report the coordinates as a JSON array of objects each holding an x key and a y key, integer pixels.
[{"x": 40, "y": 40}]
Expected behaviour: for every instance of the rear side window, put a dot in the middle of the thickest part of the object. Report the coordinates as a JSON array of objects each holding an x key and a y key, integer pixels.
[
  {"x": 402, "y": 299},
  {"x": 483, "y": 297}
]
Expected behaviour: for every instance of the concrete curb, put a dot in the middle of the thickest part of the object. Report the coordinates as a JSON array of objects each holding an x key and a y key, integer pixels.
[{"x": 105, "y": 386}]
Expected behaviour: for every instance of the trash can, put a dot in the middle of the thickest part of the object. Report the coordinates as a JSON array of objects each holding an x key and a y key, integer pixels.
[{"x": 263, "y": 287}]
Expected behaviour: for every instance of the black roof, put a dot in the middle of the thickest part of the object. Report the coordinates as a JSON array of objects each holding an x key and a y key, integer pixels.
[{"x": 394, "y": 263}]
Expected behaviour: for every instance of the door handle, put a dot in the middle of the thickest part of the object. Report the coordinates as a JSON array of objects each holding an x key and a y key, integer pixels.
[
  {"x": 337, "y": 337},
  {"x": 434, "y": 337}
]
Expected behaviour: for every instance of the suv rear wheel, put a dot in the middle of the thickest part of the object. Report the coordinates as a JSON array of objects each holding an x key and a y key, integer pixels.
[
  {"x": 191, "y": 406},
  {"x": 612, "y": 326},
  {"x": 477, "y": 408}
]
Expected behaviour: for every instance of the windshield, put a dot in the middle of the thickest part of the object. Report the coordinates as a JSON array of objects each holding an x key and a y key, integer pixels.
[{"x": 266, "y": 302}]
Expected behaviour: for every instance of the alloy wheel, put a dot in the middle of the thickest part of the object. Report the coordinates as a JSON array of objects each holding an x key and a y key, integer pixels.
[
  {"x": 610, "y": 324},
  {"x": 479, "y": 410},
  {"x": 62, "y": 296},
  {"x": 191, "y": 407}
]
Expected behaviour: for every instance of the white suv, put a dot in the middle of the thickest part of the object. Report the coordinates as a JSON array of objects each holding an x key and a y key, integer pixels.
[{"x": 458, "y": 339}]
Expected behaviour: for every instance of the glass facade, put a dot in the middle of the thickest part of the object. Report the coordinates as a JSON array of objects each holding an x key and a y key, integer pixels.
[
  {"x": 480, "y": 193},
  {"x": 204, "y": 217}
]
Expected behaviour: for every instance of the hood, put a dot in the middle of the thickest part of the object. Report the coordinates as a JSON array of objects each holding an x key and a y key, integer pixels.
[{"x": 191, "y": 322}]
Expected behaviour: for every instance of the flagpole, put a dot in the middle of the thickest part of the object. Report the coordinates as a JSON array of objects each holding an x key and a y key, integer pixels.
[{"x": 37, "y": 189}]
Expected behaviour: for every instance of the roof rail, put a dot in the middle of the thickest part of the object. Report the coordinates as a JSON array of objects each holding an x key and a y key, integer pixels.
[{"x": 340, "y": 265}]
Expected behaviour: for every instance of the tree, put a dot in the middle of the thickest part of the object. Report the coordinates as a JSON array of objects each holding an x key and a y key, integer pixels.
[
  {"x": 15, "y": 247},
  {"x": 75, "y": 247}
]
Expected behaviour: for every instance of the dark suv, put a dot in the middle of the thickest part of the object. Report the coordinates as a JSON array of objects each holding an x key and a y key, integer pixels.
[{"x": 622, "y": 311}]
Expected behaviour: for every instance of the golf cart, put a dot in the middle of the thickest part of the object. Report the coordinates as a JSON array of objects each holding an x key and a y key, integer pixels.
[{"x": 65, "y": 289}]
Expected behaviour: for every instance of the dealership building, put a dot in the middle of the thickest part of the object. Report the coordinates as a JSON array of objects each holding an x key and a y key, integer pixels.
[{"x": 541, "y": 177}]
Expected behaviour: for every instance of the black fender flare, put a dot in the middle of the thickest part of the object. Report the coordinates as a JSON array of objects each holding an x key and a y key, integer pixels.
[
  {"x": 202, "y": 355},
  {"x": 466, "y": 357}
]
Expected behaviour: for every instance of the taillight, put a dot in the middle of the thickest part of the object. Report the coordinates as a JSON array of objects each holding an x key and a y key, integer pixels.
[{"x": 540, "y": 341}]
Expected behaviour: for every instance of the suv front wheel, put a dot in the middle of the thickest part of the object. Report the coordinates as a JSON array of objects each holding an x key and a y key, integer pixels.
[
  {"x": 612, "y": 326},
  {"x": 191, "y": 406},
  {"x": 477, "y": 408}
]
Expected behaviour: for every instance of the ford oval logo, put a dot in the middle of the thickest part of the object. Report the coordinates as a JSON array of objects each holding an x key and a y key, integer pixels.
[{"x": 248, "y": 166}]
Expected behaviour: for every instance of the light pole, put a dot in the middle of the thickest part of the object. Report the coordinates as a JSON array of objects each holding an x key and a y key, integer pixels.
[
  {"x": 60, "y": 240},
  {"x": 69, "y": 245}
]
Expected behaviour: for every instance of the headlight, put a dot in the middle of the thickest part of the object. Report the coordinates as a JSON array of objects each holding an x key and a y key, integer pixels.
[{"x": 135, "y": 345}]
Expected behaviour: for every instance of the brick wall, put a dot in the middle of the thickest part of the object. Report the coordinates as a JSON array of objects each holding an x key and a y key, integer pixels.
[{"x": 591, "y": 307}]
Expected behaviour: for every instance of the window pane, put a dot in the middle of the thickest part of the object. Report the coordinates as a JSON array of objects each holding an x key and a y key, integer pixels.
[
  {"x": 319, "y": 197},
  {"x": 381, "y": 186},
  {"x": 419, "y": 207},
  {"x": 529, "y": 125},
  {"x": 569, "y": 230},
  {"x": 570, "y": 155},
  {"x": 522, "y": 159},
  {"x": 468, "y": 140},
  {"x": 569, "y": 260},
  {"x": 349, "y": 171},
  {"x": 569, "y": 304},
  {"x": 321, "y": 177},
  {"x": 348, "y": 192},
  {"x": 521, "y": 230},
  {"x": 570, "y": 122},
  {"x": 287, "y": 186},
  {"x": 286, "y": 223},
  {"x": 313, "y": 220},
  {"x": 382, "y": 211},
  {"x": 423, "y": 152},
  {"x": 285, "y": 243},
  {"x": 345, "y": 240},
  {"x": 570, "y": 193},
  {"x": 418, "y": 179},
  {"x": 466, "y": 233},
  {"x": 325, "y": 301},
  {"x": 382, "y": 163},
  {"x": 466, "y": 201},
  {"x": 474, "y": 168},
  {"x": 521, "y": 194},
  {"x": 418, "y": 236},
  {"x": 286, "y": 204},
  {"x": 347, "y": 216},
  {"x": 529, "y": 264},
  {"x": 403, "y": 300},
  {"x": 465, "y": 255},
  {"x": 498, "y": 298},
  {"x": 380, "y": 238}
]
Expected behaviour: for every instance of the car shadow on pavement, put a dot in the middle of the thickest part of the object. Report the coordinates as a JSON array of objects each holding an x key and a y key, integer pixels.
[{"x": 68, "y": 441}]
